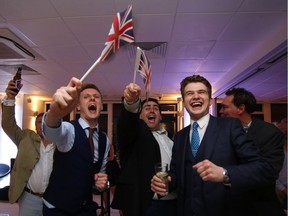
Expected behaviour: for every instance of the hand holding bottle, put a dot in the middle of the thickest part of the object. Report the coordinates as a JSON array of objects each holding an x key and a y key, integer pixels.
[
  {"x": 11, "y": 90},
  {"x": 18, "y": 80}
]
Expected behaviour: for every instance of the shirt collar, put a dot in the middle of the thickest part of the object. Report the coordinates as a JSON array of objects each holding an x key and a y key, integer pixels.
[
  {"x": 161, "y": 131},
  {"x": 202, "y": 121},
  {"x": 85, "y": 125}
]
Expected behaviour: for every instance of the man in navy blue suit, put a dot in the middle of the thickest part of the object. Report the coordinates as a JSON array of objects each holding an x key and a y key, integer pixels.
[
  {"x": 240, "y": 103},
  {"x": 212, "y": 180}
]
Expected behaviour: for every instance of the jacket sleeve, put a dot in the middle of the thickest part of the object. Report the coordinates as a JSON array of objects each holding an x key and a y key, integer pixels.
[{"x": 9, "y": 125}]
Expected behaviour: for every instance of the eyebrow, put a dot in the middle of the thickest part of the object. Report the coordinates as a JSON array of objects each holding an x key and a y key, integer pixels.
[{"x": 149, "y": 105}]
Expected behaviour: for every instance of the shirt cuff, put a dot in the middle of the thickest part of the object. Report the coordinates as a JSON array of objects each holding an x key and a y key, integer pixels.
[
  {"x": 134, "y": 108},
  {"x": 48, "y": 132},
  {"x": 8, "y": 102}
]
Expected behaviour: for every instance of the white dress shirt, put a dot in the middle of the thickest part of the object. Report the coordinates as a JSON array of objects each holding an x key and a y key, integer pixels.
[
  {"x": 40, "y": 175},
  {"x": 203, "y": 123}
]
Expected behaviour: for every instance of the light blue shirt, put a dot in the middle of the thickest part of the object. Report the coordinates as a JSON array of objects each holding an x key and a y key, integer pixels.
[{"x": 64, "y": 136}]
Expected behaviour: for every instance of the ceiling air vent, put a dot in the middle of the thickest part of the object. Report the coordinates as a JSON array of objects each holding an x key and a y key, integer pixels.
[
  {"x": 13, "y": 68},
  {"x": 10, "y": 50},
  {"x": 156, "y": 49},
  {"x": 13, "y": 49}
]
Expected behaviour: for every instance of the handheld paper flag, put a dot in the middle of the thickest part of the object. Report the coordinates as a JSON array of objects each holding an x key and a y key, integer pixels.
[
  {"x": 121, "y": 32},
  {"x": 144, "y": 70}
]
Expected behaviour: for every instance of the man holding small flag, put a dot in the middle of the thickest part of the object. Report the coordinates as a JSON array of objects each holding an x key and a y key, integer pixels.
[{"x": 143, "y": 142}]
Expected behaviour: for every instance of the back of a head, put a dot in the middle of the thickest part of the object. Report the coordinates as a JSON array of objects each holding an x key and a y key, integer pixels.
[{"x": 243, "y": 96}]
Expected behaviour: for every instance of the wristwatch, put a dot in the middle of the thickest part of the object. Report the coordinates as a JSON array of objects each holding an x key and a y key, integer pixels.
[{"x": 226, "y": 176}]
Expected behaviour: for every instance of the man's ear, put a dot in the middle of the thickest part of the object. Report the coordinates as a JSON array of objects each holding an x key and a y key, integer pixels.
[
  {"x": 78, "y": 107},
  {"x": 241, "y": 109}
]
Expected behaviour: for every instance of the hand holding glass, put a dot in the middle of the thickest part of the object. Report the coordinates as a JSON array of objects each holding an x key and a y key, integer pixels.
[{"x": 161, "y": 170}]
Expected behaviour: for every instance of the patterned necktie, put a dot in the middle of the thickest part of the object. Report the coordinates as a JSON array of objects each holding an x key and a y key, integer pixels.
[
  {"x": 195, "y": 141},
  {"x": 91, "y": 131}
]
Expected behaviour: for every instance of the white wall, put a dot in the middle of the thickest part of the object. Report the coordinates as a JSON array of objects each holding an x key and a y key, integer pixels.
[{"x": 7, "y": 147}]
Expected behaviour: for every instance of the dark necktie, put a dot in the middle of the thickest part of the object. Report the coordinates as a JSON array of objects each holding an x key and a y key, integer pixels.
[
  {"x": 195, "y": 141},
  {"x": 246, "y": 128},
  {"x": 91, "y": 131}
]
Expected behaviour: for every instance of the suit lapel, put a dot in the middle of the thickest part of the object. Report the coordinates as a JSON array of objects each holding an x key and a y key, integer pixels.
[
  {"x": 183, "y": 142},
  {"x": 37, "y": 143},
  {"x": 253, "y": 127},
  {"x": 186, "y": 140},
  {"x": 210, "y": 137}
]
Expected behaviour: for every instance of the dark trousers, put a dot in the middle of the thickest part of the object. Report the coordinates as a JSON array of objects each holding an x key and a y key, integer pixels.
[
  {"x": 162, "y": 207},
  {"x": 91, "y": 211}
]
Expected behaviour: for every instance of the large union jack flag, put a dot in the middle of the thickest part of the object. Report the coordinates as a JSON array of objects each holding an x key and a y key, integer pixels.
[
  {"x": 144, "y": 70},
  {"x": 121, "y": 32}
]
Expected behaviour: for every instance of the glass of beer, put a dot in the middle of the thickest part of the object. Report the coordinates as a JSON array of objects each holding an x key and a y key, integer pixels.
[{"x": 161, "y": 170}]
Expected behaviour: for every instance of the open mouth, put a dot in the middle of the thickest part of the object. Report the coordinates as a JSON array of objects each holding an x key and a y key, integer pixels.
[
  {"x": 151, "y": 119},
  {"x": 196, "y": 104},
  {"x": 92, "y": 107}
]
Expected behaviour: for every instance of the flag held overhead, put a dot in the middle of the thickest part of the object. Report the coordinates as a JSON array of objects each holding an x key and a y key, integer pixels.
[
  {"x": 144, "y": 70},
  {"x": 121, "y": 33}
]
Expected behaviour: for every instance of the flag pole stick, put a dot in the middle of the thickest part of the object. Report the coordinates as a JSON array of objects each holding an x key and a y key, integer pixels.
[
  {"x": 137, "y": 59},
  {"x": 90, "y": 69}
]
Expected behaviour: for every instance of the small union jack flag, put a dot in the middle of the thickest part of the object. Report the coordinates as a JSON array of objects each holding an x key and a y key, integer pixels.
[
  {"x": 121, "y": 32},
  {"x": 144, "y": 70}
]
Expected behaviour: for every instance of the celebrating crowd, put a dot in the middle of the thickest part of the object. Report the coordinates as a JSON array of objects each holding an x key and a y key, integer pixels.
[{"x": 226, "y": 165}]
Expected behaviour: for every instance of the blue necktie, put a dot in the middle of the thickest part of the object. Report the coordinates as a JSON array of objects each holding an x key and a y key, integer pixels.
[{"x": 195, "y": 141}]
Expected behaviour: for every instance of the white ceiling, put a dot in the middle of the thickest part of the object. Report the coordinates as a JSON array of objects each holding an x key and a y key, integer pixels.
[{"x": 222, "y": 40}]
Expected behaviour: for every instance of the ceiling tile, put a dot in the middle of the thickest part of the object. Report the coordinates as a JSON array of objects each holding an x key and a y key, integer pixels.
[{"x": 189, "y": 27}]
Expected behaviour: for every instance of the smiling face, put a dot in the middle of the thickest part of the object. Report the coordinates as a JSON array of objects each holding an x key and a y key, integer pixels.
[
  {"x": 228, "y": 108},
  {"x": 150, "y": 113},
  {"x": 196, "y": 100},
  {"x": 90, "y": 105}
]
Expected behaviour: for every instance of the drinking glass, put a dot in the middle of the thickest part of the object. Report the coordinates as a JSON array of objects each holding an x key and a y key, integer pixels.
[{"x": 161, "y": 171}]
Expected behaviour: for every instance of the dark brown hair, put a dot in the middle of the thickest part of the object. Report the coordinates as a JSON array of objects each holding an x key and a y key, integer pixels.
[
  {"x": 195, "y": 79},
  {"x": 242, "y": 96},
  {"x": 151, "y": 99},
  {"x": 91, "y": 86}
]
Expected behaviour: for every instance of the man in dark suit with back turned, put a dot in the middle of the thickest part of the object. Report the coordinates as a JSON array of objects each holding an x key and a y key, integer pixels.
[
  {"x": 212, "y": 175},
  {"x": 240, "y": 103}
]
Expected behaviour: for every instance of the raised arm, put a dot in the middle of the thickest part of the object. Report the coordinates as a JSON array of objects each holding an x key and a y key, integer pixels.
[{"x": 63, "y": 102}]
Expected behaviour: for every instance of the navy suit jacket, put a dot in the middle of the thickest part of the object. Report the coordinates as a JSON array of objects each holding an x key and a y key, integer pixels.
[
  {"x": 225, "y": 144},
  {"x": 270, "y": 141}
]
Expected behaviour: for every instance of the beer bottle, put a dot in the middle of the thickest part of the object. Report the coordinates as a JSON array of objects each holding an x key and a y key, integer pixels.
[{"x": 18, "y": 80}]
